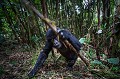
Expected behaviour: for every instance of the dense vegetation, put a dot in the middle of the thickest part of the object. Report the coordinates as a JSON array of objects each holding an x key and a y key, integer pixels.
[{"x": 96, "y": 23}]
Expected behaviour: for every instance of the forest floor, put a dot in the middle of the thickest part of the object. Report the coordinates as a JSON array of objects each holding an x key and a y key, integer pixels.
[{"x": 15, "y": 63}]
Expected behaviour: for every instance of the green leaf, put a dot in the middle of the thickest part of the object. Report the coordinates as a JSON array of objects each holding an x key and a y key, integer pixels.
[
  {"x": 113, "y": 60},
  {"x": 115, "y": 69},
  {"x": 82, "y": 40},
  {"x": 96, "y": 62},
  {"x": 37, "y": 1}
]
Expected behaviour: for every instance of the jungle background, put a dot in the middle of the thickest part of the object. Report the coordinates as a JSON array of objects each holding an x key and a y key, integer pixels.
[{"x": 96, "y": 24}]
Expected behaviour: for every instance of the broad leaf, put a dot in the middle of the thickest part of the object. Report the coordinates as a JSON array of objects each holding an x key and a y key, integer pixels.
[
  {"x": 113, "y": 60},
  {"x": 82, "y": 40},
  {"x": 96, "y": 62}
]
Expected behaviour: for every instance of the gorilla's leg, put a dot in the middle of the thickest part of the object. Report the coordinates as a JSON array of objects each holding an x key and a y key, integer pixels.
[
  {"x": 71, "y": 62},
  {"x": 42, "y": 57}
]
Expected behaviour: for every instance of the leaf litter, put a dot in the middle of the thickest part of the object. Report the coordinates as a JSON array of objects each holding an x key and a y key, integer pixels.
[{"x": 17, "y": 64}]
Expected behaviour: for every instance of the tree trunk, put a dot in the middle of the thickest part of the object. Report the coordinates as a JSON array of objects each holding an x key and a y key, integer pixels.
[
  {"x": 57, "y": 8},
  {"x": 44, "y": 10},
  {"x": 96, "y": 46},
  {"x": 98, "y": 10},
  {"x": 106, "y": 12},
  {"x": 115, "y": 47}
]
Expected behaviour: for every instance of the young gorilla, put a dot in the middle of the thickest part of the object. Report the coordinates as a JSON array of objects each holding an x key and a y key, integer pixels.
[{"x": 52, "y": 41}]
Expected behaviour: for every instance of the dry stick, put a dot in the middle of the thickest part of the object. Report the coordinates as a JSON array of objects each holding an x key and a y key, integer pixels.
[{"x": 47, "y": 21}]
